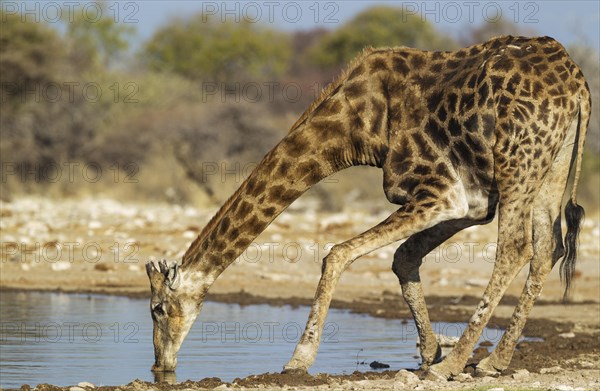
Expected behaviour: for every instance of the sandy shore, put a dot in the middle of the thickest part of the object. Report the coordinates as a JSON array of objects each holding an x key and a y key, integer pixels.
[{"x": 101, "y": 246}]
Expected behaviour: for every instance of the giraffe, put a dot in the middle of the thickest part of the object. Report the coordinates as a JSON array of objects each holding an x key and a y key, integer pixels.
[{"x": 459, "y": 135}]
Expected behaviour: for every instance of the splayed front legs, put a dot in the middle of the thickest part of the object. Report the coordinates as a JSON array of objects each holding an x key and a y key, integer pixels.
[{"x": 396, "y": 227}]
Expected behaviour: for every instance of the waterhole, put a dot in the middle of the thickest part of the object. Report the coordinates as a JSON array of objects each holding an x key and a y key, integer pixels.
[{"x": 63, "y": 339}]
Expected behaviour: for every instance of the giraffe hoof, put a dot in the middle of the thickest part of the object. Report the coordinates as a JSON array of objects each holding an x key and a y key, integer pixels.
[
  {"x": 439, "y": 372},
  {"x": 294, "y": 371},
  {"x": 484, "y": 368}
]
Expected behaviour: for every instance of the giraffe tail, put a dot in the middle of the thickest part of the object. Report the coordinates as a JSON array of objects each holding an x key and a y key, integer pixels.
[{"x": 574, "y": 213}]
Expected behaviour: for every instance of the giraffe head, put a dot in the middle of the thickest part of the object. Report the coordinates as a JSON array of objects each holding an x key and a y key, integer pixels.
[{"x": 173, "y": 308}]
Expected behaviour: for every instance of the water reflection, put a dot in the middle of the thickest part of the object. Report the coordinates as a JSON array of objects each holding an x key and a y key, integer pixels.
[
  {"x": 64, "y": 339},
  {"x": 168, "y": 377}
]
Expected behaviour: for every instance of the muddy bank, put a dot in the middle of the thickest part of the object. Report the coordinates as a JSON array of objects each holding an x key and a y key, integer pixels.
[
  {"x": 45, "y": 247},
  {"x": 552, "y": 379}
]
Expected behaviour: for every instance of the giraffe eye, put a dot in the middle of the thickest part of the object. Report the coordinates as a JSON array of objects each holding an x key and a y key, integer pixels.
[{"x": 158, "y": 309}]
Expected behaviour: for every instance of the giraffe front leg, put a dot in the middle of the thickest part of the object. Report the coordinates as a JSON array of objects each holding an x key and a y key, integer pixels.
[
  {"x": 412, "y": 291},
  {"x": 407, "y": 261},
  {"x": 306, "y": 350},
  {"x": 406, "y": 221}
]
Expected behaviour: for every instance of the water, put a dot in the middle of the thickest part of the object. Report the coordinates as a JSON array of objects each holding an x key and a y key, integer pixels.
[{"x": 63, "y": 339}]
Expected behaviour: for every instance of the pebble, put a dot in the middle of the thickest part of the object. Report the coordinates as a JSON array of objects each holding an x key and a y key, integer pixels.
[
  {"x": 555, "y": 369},
  {"x": 61, "y": 266},
  {"x": 567, "y": 335},
  {"x": 190, "y": 234},
  {"x": 94, "y": 224},
  {"x": 476, "y": 282},
  {"x": 86, "y": 384},
  {"x": 563, "y": 387},
  {"x": 406, "y": 377},
  {"x": 521, "y": 374},
  {"x": 400, "y": 386},
  {"x": 463, "y": 377},
  {"x": 426, "y": 385}
]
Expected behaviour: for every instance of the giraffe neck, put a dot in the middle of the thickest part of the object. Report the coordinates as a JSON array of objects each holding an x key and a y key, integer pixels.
[{"x": 299, "y": 161}]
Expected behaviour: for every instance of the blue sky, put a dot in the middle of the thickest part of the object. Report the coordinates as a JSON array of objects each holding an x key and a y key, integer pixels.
[{"x": 569, "y": 22}]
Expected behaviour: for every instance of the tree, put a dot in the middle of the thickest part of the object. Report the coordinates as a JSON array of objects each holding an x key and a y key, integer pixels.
[
  {"x": 377, "y": 27},
  {"x": 99, "y": 41},
  {"x": 222, "y": 137},
  {"x": 30, "y": 54},
  {"x": 43, "y": 122},
  {"x": 203, "y": 47}
]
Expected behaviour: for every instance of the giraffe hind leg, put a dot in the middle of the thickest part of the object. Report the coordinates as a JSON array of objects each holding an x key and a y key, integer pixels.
[
  {"x": 514, "y": 250},
  {"x": 548, "y": 249}
]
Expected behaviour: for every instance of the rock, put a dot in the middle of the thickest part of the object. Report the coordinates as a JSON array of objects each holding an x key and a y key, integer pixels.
[
  {"x": 520, "y": 374},
  {"x": 94, "y": 224},
  {"x": 378, "y": 365},
  {"x": 427, "y": 385},
  {"x": 586, "y": 364},
  {"x": 190, "y": 234},
  {"x": 463, "y": 377},
  {"x": 555, "y": 369},
  {"x": 406, "y": 377},
  {"x": 567, "y": 335},
  {"x": 104, "y": 267},
  {"x": 86, "y": 384},
  {"x": 496, "y": 389},
  {"x": 562, "y": 387},
  {"x": 480, "y": 352},
  {"x": 61, "y": 266},
  {"x": 221, "y": 387},
  {"x": 476, "y": 282},
  {"x": 75, "y": 388},
  {"x": 444, "y": 341}
]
